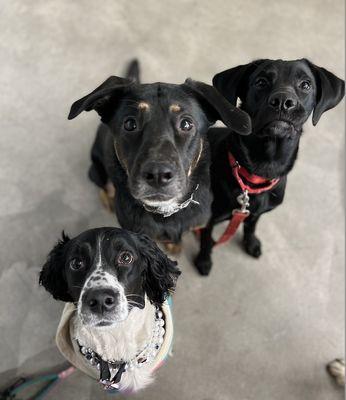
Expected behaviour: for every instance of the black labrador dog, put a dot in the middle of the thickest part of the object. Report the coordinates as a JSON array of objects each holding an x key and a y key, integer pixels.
[
  {"x": 152, "y": 148},
  {"x": 279, "y": 96}
]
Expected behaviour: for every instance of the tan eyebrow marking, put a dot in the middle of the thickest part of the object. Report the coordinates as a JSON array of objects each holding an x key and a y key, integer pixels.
[
  {"x": 174, "y": 107},
  {"x": 143, "y": 106}
]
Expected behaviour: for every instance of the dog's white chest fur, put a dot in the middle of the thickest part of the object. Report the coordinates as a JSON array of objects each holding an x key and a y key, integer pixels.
[{"x": 122, "y": 342}]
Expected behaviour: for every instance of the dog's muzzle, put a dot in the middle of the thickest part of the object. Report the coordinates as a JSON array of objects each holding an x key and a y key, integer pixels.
[
  {"x": 103, "y": 307},
  {"x": 159, "y": 182},
  {"x": 158, "y": 174},
  {"x": 279, "y": 129}
]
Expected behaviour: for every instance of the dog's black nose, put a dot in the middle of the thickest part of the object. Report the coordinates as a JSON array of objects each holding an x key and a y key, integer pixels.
[
  {"x": 282, "y": 101},
  {"x": 100, "y": 301},
  {"x": 158, "y": 174}
]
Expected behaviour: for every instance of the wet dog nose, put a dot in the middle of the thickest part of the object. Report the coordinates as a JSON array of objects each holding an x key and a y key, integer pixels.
[
  {"x": 282, "y": 101},
  {"x": 101, "y": 301},
  {"x": 158, "y": 174}
]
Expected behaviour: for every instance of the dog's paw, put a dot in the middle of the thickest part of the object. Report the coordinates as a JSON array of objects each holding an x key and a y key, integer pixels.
[
  {"x": 173, "y": 248},
  {"x": 203, "y": 265},
  {"x": 336, "y": 369},
  {"x": 252, "y": 246}
]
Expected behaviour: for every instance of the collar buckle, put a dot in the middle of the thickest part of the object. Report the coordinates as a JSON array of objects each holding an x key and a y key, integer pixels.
[{"x": 244, "y": 201}]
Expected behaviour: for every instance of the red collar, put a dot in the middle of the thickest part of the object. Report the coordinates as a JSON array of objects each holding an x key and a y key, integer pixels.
[{"x": 240, "y": 173}]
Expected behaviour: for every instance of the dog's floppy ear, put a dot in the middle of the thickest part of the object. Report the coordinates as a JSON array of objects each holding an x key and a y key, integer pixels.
[
  {"x": 99, "y": 99},
  {"x": 218, "y": 108},
  {"x": 330, "y": 90},
  {"x": 52, "y": 273},
  {"x": 160, "y": 273},
  {"x": 233, "y": 82}
]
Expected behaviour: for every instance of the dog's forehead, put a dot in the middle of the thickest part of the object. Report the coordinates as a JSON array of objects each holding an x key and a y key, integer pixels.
[
  {"x": 160, "y": 94},
  {"x": 100, "y": 238},
  {"x": 284, "y": 69}
]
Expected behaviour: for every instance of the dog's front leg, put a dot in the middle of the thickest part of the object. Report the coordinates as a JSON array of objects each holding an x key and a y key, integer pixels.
[
  {"x": 203, "y": 260},
  {"x": 173, "y": 248},
  {"x": 107, "y": 196},
  {"x": 251, "y": 243}
]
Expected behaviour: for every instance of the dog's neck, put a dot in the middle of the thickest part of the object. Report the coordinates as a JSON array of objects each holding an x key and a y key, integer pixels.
[
  {"x": 123, "y": 341},
  {"x": 267, "y": 157}
]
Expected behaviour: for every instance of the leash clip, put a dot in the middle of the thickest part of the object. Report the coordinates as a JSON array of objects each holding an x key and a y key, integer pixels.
[
  {"x": 235, "y": 165},
  {"x": 244, "y": 200}
]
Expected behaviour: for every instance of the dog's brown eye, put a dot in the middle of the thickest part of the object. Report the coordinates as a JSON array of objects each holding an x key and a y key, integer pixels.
[
  {"x": 186, "y": 125},
  {"x": 305, "y": 85},
  {"x": 125, "y": 258},
  {"x": 76, "y": 264},
  {"x": 261, "y": 83},
  {"x": 130, "y": 124}
]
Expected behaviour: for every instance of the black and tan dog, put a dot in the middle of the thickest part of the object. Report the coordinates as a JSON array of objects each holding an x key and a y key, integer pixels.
[
  {"x": 279, "y": 96},
  {"x": 152, "y": 148}
]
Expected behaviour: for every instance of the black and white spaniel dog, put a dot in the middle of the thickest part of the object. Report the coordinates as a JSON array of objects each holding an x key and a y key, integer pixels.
[{"x": 116, "y": 325}]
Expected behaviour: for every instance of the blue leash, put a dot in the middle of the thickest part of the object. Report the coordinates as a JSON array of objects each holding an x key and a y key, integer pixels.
[{"x": 11, "y": 392}]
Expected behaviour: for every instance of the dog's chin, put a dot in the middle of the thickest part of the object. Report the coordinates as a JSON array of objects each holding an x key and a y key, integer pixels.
[
  {"x": 160, "y": 199},
  {"x": 157, "y": 202},
  {"x": 156, "y": 199},
  {"x": 278, "y": 129},
  {"x": 92, "y": 321},
  {"x": 153, "y": 197}
]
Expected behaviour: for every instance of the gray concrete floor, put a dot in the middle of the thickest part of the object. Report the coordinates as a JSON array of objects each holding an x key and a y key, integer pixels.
[{"x": 255, "y": 329}]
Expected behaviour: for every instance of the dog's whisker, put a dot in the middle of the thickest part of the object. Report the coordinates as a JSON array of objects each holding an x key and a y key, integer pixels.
[
  {"x": 78, "y": 287},
  {"x": 133, "y": 295},
  {"x": 134, "y": 303}
]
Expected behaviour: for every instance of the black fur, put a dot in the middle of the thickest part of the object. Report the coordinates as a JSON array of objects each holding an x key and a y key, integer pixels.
[
  {"x": 161, "y": 273},
  {"x": 275, "y": 95},
  {"x": 52, "y": 275},
  {"x": 127, "y": 158}
]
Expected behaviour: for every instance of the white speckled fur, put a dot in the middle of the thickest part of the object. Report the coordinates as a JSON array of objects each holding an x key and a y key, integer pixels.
[
  {"x": 122, "y": 341},
  {"x": 105, "y": 281}
]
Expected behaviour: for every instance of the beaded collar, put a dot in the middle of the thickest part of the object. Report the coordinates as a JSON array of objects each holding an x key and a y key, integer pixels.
[{"x": 111, "y": 370}]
